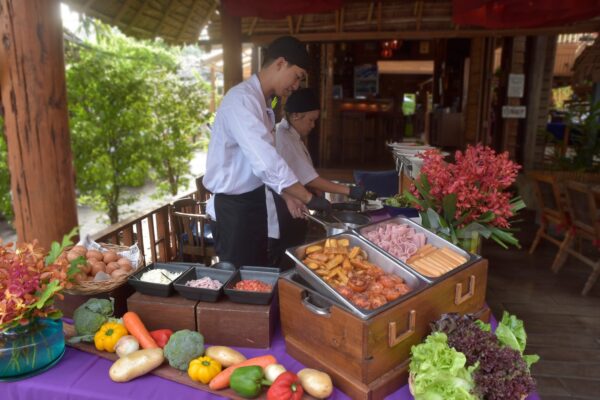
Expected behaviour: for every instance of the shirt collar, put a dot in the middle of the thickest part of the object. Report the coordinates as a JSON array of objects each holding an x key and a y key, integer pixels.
[
  {"x": 255, "y": 83},
  {"x": 291, "y": 129}
]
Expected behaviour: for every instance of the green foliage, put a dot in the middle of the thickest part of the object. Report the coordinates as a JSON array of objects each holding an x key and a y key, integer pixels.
[
  {"x": 6, "y": 209},
  {"x": 131, "y": 117}
]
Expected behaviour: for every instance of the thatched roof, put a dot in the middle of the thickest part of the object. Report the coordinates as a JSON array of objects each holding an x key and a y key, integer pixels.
[
  {"x": 181, "y": 21},
  {"x": 587, "y": 65}
]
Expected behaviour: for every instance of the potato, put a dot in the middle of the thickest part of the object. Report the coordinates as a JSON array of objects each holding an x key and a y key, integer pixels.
[
  {"x": 110, "y": 256},
  {"x": 135, "y": 364},
  {"x": 225, "y": 355},
  {"x": 316, "y": 383},
  {"x": 94, "y": 254}
]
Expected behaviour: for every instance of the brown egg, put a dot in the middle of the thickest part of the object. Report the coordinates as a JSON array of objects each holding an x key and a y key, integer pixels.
[
  {"x": 85, "y": 268},
  {"x": 110, "y": 256},
  {"x": 81, "y": 250},
  {"x": 71, "y": 255},
  {"x": 80, "y": 276},
  {"x": 111, "y": 266},
  {"x": 118, "y": 273},
  {"x": 124, "y": 264},
  {"x": 97, "y": 267},
  {"x": 94, "y": 254}
]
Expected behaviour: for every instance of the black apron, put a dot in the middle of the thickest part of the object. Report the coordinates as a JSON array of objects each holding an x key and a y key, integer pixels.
[
  {"x": 241, "y": 236},
  {"x": 292, "y": 232}
]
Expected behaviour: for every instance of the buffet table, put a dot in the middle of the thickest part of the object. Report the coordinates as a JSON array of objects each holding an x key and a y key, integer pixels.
[{"x": 83, "y": 376}]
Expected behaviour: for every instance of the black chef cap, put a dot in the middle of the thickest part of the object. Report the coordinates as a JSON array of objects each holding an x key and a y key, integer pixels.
[
  {"x": 302, "y": 100},
  {"x": 291, "y": 49}
]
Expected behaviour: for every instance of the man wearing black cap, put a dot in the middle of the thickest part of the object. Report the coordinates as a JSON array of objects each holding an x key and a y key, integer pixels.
[
  {"x": 242, "y": 158},
  {"x": 301, "y": 113}
]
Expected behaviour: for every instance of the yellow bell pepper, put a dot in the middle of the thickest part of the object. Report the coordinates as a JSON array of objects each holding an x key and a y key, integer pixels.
[
  {"x": 108, "y": 336},
  {"x": 203, "y": 369}
]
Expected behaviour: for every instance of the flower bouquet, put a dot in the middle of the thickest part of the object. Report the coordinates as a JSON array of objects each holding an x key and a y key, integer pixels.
[
  {"x": 31, "y": 335},
  {"x": 468, "y": 199}
]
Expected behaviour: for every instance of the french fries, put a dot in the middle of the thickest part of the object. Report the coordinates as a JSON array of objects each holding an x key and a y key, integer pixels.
[{"x": 334, "y": 260}]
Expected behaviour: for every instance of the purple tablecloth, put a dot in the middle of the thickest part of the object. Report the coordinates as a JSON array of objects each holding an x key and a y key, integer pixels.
[{"x": 84, "y": 376}]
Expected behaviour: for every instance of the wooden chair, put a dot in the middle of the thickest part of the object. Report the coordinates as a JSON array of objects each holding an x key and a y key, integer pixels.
[
  {"x": 552, "y": 213},
  {"x": 585, "y": 224},
  {"x": 192, "y": 231},
  {"x": 203, "y": 193}
]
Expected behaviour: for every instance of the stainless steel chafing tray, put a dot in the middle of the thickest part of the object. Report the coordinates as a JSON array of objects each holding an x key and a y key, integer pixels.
[
  {"x": 431, "y": 239},
  {"x": 375, "y": 256}
]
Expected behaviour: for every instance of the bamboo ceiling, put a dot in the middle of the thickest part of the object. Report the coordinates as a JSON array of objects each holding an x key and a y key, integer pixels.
[{"x": 181, "y": 21}]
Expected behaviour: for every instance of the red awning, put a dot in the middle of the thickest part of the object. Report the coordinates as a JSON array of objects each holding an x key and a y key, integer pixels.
[
  {"x": 275, "y": 9},
  {"x": 507, "y": 14}
]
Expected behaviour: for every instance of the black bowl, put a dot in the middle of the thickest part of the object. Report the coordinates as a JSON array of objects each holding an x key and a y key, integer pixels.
[
  {"x": 202, "y": 294},
  {"x": 156, "y": 289},
  {"x": 248, "y": 297}
]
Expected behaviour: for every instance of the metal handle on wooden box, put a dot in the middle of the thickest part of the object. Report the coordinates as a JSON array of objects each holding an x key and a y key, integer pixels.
[
  {"x": 394, "y": 338},
  {"x": 458, "y": 296},
  {"x": 313, "y": 308}
]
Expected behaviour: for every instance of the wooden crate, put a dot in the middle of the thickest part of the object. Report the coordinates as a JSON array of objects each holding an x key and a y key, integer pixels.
[
  {"x": 174, "y": 312},
  {"x": 232, "y": 324},
  {"x": 364, "y": 350}
]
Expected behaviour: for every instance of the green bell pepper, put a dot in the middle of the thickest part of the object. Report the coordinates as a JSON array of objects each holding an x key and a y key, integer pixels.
[{"x": 248, "y": 381}]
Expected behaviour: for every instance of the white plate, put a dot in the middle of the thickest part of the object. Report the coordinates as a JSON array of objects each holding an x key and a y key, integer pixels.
[{"x": 373, "y": 205}]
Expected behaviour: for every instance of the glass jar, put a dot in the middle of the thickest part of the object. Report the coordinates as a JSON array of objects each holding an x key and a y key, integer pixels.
[{"x": 30, "y": 349}]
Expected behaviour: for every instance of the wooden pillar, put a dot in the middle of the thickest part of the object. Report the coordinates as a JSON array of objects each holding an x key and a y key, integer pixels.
[
  {"x": 213, "y": 88},
  {"x": 231, "y": 36},
  {"x": 540, "y": 70},
  {"x": 326, "y": 127},
  {"x": 35, "y": 112}
]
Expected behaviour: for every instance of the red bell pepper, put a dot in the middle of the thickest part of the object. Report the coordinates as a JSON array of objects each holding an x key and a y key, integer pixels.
[
  {"x": 161, "y": 336},
  {"x": 286, "y": 387}
]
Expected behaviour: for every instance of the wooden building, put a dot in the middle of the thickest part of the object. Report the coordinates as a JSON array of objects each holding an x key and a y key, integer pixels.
[{"x": 455, "y": 90}]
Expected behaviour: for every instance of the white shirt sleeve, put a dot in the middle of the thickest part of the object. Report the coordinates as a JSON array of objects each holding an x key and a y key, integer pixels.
[
  {"x": 298, "y": 162},
  {"x": 256, "y": 142}
]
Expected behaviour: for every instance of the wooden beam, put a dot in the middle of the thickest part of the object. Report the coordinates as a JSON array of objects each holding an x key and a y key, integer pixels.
[
  {"x": 299, "y": 23},
  {"x": 209, "y": 15},
  {"x": 34, "y": 96},
  {"x": 290, "y": 24},
  {"x": 419, "y": 13},
  {"x": 188, "y": 19},
  {"x": 121, "y": 11},
  {"x": 593, "y": 26},
  {"x": 231, "y": 29},
  {"x": 370, "y": 13},
  {"x": 337, "y": 21},
  {"x": 341, "y": 27},
  {"x": 378, "y": 16},
  {"x": 165, "y": 15},
  {"x": 137, "y": 14},
  {"x": 252, "y": 26}
]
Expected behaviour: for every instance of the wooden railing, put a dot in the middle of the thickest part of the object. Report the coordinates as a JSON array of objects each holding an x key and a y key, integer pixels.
[{"x": 151, "y": 231}]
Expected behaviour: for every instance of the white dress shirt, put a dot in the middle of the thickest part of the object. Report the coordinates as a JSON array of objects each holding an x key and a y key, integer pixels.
[
  {"x": 241, "y": 153},
  {"x": 290, "y": 146}
]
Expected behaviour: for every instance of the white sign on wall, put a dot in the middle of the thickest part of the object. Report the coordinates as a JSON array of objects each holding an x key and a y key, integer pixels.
[
  {"x": 516, "y": 85},
  {"x": 514, "y": 111}
]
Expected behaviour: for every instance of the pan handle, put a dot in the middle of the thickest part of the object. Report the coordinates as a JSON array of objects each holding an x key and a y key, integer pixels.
[
  {"x": 317, "y": 220},
  {"x": 322, "y": 311}
]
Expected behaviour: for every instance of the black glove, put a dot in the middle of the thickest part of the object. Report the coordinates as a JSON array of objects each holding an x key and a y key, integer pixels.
[
  {"x": 357, "y": 192},
  {"x": 319, "y": 204}
]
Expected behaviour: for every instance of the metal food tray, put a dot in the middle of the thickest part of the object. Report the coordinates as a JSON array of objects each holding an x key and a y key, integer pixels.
[
  {"x": 432, "y": 238},
  {"x": 375, "y": 256}
]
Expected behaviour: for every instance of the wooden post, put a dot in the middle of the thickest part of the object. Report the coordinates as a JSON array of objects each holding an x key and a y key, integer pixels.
[
  {"x": 326, "y": 127},
  {"x": 35, "y": 114},
  {"x": 213, "y": 89},
  {"x": 539, "y": 90},
  {"x": 231, "y": 36}
]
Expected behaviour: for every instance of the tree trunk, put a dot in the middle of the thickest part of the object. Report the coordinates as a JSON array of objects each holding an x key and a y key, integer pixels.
[{"x": 35, "y": 113}]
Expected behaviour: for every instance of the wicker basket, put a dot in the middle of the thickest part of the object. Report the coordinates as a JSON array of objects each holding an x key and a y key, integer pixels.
[{"x": 92, "y": 287}]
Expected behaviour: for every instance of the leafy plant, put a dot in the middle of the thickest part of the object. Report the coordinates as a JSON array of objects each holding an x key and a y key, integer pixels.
[{"x": 468, "y": 199}]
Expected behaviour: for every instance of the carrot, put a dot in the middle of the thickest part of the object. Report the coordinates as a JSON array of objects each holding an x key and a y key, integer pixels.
[
  {"x": 221, "y": 381},
  {"x": 136, "y": 327}
]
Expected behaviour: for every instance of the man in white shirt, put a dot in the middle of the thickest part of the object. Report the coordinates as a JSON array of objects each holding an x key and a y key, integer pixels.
[{"x": 242, "y": 157}]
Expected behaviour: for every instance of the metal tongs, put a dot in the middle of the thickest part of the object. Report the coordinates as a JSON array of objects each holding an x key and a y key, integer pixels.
[{"x": 332, "y": 228}]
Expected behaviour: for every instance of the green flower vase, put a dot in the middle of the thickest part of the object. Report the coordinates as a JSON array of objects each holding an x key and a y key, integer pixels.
[{"x": 30, "y": 349}]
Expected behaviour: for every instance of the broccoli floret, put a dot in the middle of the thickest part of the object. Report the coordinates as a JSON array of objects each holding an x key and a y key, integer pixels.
[
  {"x": 90, "y": 316},
  {"x": 183, "y": 346}
]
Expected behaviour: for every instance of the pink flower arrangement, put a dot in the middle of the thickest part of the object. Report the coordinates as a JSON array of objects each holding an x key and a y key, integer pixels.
[{"x": 467, "y": 196}]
